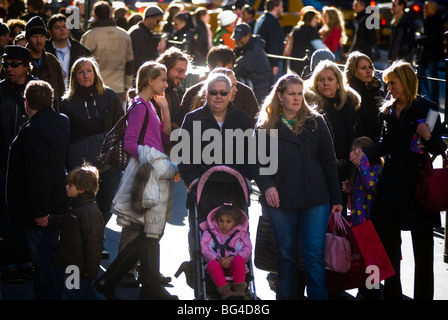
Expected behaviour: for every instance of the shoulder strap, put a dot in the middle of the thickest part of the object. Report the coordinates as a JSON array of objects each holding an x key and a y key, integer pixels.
[{"x": 222, "y": 247}]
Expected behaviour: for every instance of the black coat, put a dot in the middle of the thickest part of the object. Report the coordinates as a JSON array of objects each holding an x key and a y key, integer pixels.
[
  {"x": 36, "y": 167},
  {"x": 90, "y": 113},
  {"x": 368, "y": 123},
  {"x": 269, "y": 29},
  {"x": 235, "y": 119},
  {"x": 402, "y": 39},
  {"x": 144, "y": 44},
  {"x": 396, "y": 204},
  {"x": 12, "y": 115},
  {"x": 365, "y": 39},
  {"x": 81, "y": 241},
  {"x": 307, "y": 172}
]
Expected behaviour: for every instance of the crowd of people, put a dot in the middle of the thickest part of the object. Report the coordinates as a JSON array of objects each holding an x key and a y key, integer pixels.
[{"x": 338, "y": 134}]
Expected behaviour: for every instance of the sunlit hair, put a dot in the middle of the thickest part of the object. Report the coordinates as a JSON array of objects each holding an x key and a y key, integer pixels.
[
  {"x": 269, "y": 115},
  {"x": 217, "y": 77},
  {"x": 85, "y": 178},
  {"x": 336, "y": 19},
  {"x": 73, "y": 83},
  {"x": 148, "y": 70},
  {"x": 308, "y": 16},
  {"x": 404, "y": 72},
  {"x": 352, "y": 64},
  {"x": 312, "y": 83},
  {"x": 199, "y": 99}
]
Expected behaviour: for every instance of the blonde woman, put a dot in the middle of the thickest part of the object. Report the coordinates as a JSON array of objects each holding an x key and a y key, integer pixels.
[
  {"x": 360, "y": 74},
  {"x": 299, "y": 197},
  {"x": 149, "y": 223},
  {"x": 333, "y": 32},
  {"x": 396, "y": 207},
  {"x": 328, "y": 92},
  {"x": 93, "y": 109}
]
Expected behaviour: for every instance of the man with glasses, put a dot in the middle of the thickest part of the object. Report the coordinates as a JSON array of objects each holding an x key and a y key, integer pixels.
[
  {"x": 176, "y": 62},
  {"x": 15, "y": 259},
  {"x": 144, "y": 41}
]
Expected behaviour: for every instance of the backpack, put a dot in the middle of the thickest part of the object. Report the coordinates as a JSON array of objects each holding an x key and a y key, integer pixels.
[{"x": 112, "y": 151}]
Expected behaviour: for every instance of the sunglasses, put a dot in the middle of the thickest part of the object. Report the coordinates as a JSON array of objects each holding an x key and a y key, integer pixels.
[
  {"x": 222, "y": 93},
  {"x": 12, "y": 64}
]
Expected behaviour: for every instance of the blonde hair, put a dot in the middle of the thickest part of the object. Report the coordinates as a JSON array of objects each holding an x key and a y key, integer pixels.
[
  {"x": 85, "y": 178},
  {"x": 73, "y": 83},
  {"x": 341, "y": 93},
  {"x": 269, "y": 115},
  {"x": 336, "y": 19},
  {"x": 352, "y": 64},
  {"x": 148, "y": 70},
  {"x": 404, "y": 72}
]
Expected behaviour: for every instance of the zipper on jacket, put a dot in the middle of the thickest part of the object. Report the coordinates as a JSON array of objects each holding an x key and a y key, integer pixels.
[{"x": 87, "y": 110}]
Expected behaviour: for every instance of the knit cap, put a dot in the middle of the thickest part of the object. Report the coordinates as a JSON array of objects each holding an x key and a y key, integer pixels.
[
  {"x": 320, "y": 55},
  {"x": 35, "y": 25},
  {"x": 152, "y": 11}
]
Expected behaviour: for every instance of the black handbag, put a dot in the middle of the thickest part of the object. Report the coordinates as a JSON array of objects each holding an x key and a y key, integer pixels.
[
  {"x": 85, "y": 150},
  {"x": 112, "y": 151},
  {"x": 266, "y": 255}
]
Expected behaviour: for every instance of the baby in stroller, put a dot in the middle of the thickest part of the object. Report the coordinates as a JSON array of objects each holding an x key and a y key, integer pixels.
[{"x": 226, "y": 248}]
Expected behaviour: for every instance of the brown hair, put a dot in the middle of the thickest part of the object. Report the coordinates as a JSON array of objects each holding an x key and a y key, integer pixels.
[{"x": 85, "y": 178}]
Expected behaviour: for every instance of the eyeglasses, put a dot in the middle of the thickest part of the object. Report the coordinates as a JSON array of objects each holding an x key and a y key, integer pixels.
[
  {"x": 222, "y": 93},
  {"x": 12, "y": 64}
]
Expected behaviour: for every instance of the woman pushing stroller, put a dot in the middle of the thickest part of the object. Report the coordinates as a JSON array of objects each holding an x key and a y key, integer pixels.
[{"x": 226, "y": 247}]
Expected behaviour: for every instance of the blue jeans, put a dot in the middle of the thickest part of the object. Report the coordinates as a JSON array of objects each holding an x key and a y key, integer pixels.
[
  {"x": 429, "y": 88},
  {"x": 43, "y": 245},
  {"x": 310, "y": 224}
]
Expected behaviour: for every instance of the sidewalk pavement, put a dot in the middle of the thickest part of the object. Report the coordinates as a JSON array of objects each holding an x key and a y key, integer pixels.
[{"x": 174, "y": 251}]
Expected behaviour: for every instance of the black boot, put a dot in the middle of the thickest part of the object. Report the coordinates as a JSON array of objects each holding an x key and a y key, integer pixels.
[
  {"x": 150, "y": 276},
  {"x": 125, "y": 260}
]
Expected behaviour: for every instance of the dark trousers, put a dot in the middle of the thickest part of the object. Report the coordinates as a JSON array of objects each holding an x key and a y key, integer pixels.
[{"x": 423, "y": 247}]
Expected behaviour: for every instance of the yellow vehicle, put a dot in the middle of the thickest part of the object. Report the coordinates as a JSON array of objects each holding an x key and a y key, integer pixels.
[{"x": 291, "y": 14}]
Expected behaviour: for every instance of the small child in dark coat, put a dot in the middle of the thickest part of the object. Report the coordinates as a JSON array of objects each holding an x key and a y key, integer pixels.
[{"x": 81, "y": 240}]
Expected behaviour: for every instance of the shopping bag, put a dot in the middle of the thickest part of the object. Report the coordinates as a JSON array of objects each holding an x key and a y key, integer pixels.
[
  {"x": 337, "y": 247},
  {"x": 432, "y": 186},
  {"x": 373, "y": 251},
  {"x": 367, "y": 250},
  {"x": 356, "y": 276},
  {"x": 266, "y": 255}
]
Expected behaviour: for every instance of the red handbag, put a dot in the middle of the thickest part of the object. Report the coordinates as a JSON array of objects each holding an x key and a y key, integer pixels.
[{"x": 432, "y": 186}]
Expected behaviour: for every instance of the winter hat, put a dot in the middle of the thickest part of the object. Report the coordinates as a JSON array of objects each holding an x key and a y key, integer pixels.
[
  {"x": 226, "y": 17},
  {"x": 35, "y": 25},
  {"x": 17, "y": 53},
  {"x": 4, "y": 28},
  {"x": 320, "y": 55},
  {"x": 152, "y": 11}
]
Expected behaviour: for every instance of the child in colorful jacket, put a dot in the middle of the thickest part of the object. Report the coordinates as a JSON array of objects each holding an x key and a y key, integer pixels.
[
  {"x": 226, "y": 247},
  {"x": 362, "y": 187}
]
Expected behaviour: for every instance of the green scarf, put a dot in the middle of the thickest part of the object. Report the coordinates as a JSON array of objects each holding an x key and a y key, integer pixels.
[{"x": 289, "y": 123}]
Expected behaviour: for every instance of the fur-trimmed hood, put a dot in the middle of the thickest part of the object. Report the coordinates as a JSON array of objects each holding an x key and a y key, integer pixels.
[{"x": 145, "y": 194}]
